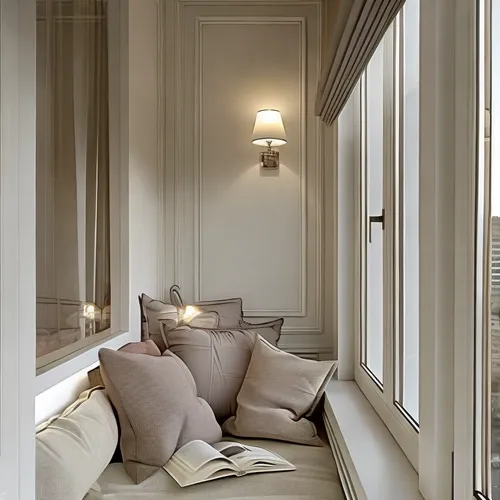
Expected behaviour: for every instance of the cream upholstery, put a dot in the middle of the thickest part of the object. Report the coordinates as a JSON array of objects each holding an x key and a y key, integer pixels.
[
  {"x": 75, "y": 447},
  {"x": 316, "y": 478}
]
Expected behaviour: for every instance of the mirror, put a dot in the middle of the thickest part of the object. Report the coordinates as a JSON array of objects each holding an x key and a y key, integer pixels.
[{"x": 73, "y": 202}]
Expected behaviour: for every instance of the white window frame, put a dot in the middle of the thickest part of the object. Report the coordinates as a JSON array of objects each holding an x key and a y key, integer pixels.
[
  {"x": 69, "y": 363},
  {"x": 465, "y": 209},
  {"x": 383, "y": 401},
  {"x": 447, "y": 233},
  {"x": 472, "y": 381},
  {"x": 469, "y": 121}
]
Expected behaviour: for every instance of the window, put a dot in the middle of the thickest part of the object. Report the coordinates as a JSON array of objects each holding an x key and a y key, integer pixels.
[
  {"x": 388, "y": 369},
  {"x": 373, "y": 109},
  {"x": 407, "y": 195},
  {"x": 73, "y": 189}
]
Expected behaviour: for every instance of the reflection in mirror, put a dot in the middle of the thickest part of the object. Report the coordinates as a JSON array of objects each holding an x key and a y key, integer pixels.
[{"x": 73, "y": 219}]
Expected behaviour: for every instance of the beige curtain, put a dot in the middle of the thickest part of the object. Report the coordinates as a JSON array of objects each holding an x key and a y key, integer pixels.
[
  {"x": 358, "y": 27},
  {"x": 72, "y": 160}
]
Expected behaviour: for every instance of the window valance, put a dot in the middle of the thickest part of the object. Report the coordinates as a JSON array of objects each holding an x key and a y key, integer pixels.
[{"x": 358, "y": 28}]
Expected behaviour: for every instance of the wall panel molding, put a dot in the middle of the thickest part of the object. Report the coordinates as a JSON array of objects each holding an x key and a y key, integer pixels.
[
  {"x": 182, "y": 213},
  {"x": 300, "y": 22},
  {"x": 161, "y": 90}
]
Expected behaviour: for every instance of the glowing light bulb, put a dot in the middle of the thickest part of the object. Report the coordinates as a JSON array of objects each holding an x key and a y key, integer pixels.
[{"x": 190, "y": 312}]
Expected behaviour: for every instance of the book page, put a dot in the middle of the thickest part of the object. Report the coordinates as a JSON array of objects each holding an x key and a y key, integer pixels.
[
  {"x": 261, "y": 458},
  {"x": 230, "y": 448},
  {"x": 196, "y": 454},
  {"x": 213, "y": 469},
  {"x": 198, "y": 461}
]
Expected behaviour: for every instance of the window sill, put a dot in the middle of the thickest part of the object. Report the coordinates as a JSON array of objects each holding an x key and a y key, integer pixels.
[
  {"x": 64, "y": 368},
  {"x": 370, "y": 462}
]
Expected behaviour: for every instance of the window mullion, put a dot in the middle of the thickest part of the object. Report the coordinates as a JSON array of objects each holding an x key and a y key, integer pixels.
[
  {"x": 398, "y": 189},
  {"x": 389, "y": 206}
]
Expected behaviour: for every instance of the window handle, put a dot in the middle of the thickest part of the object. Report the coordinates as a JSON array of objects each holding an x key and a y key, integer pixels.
[{"x": 375, "y": 219}]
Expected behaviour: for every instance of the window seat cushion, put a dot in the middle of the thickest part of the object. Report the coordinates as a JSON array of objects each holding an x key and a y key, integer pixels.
[{"x": 316, "y": 478}]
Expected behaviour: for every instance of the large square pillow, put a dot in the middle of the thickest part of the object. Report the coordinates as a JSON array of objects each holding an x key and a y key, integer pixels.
[
  {"x": 279, "y": 392},
  {"x": 218, "y": 359},
  {"x": 158, "y": 408},
  {"x": 74, "y": 448}
]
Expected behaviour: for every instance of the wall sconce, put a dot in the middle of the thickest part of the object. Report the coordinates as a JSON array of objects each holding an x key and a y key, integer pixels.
[{"x": 269, "y": 131}]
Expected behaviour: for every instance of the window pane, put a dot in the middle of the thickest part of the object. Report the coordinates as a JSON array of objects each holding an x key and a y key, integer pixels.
[
  {"x": 408, "y": 220},
  {"x": 73, "y": 239},
  {"x": 373, "y": 347}
]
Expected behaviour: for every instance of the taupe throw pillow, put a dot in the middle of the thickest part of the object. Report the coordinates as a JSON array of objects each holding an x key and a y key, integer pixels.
[
  {"x": 146, "y": 347},
  {"x": 218, "y": 360},
  {"x": 270, "y": 330},
  {"x": 230, "y": 311},
  {"x": 175, "y": 296},
  {"x": 279, "y": 391},
  {"x": 203, "y": 320},
  {"x": 155, "y": 310},
  {"x": 158, "y": 408}
]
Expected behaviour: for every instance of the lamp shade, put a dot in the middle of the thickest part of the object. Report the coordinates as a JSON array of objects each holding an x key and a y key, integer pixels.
[{"x": 268, "y": 128}]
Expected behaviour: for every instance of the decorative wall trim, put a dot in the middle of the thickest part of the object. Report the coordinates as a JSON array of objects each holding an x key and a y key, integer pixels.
[
  {"x": 198, "y": 199},
  {"x": 162, "y": 132},
  {"x": 172, "y": 15},
  {"x": 179, "y": 144},
  {"x": 315, "y": 353}
]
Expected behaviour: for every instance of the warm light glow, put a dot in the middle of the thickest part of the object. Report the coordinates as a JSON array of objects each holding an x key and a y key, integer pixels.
[
  {"x": 189, "y": 313},
  {"x": 269, "y": 128},
  {"x": 89, "y": 311}
]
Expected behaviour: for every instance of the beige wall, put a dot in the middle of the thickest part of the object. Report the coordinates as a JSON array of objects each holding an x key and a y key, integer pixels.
[
  {"x": 230, "y": 228},
  {"x": 144, "y": 188}
]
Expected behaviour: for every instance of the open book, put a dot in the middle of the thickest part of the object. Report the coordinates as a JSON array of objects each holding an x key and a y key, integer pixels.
[{"x": 197, "y": 462}]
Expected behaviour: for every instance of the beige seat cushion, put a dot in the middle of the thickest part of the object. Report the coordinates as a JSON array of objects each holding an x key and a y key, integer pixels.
[
  {"x": 316, "y": 478},
  {"x": 158, "y": 408},
  {"x": 74, "y": 448},
  {"x": 279, "y": 391},
  {"x": 218, "y": 360}
]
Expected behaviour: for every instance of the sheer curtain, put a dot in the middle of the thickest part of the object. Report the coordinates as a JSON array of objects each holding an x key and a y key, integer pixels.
[{"x": 73, "y": 267}]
